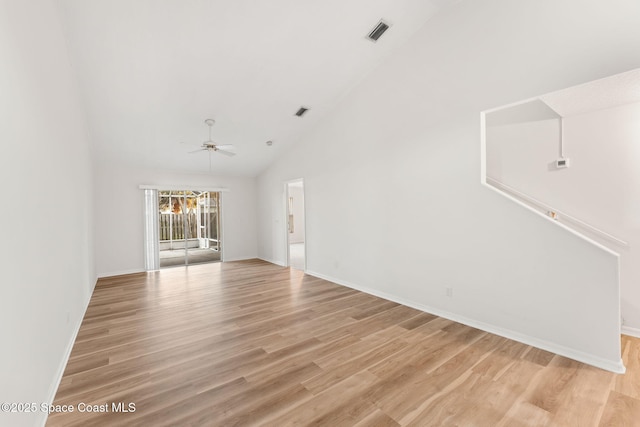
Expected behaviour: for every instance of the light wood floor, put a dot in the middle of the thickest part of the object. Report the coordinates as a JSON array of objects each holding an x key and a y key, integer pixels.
[{"x": 251, "y": 343}]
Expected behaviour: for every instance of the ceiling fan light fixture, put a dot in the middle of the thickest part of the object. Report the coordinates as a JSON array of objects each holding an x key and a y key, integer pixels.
[{"x": 210, "y": 145}]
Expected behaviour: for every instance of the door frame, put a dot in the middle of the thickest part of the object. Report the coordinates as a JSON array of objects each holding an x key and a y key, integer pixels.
[
  {"x": 151, "y": 216},
  {"x": 221, "y": 215},
  {"x": 156, "y": 246},
  {"x": 287, "y": 260}
]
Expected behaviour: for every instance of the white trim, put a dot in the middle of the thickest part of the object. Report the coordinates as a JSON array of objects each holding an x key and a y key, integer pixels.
[
  {"x": 221, "y": 239},
  {"x": 67, "y": 354},
  {"x": 483, "y": 147},
  {"x": 632, "y": 332},
  {"x": 548, "y": 218},
  {"x": 280, "y": 263},
  {"x": 561, "y": 215},
  {"x": 241, "y": 258},
  {"x": 517, "y": 103},
  {"x": 287, "y": 252},
  {"x": 121, "y": 272},
  {"x": 173, "y": 187},
  {"x": 151, "y": 230},
  {"x": 304, "y": 212},
  {"x": 506, "y": 333},
  {"x": 287, "y": 255}
]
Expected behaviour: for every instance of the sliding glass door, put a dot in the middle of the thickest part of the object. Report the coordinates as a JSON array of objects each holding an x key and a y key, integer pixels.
[
  {"x": 189, "y": 227},
  {"x": 209, "y": 225}
]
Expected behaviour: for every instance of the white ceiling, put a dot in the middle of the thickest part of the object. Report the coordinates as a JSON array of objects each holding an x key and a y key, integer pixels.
[
  {"x": 151, "y": 71},
  {"x": 608, "y": 92}
]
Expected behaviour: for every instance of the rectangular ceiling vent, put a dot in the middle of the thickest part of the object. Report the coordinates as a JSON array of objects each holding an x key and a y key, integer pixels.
[
  {"x": 378, "y": 31},
  {"x": 301, "y": 111}
]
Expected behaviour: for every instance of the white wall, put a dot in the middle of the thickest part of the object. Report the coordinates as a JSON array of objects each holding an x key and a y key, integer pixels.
[
  {"x": 600, "y": 188},
  {"x": 298, "y": 214},
  {"x": 46, "y": 256},
  {"x": 400, "y": 157},
  {"x": 521, "y": 154},
  {"x": 119, "y": 214}
]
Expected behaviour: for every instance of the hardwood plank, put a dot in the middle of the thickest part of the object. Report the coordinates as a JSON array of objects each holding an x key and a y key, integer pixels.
[
  {"x": 621, "y": 411},
  {"x": 629, "y": 384},
  {"x": 377, "y": 418},
  {"x": 523, "y": 414},
  {"x": 538, "y": 356},
  {"x": 552, "y": 390},
  {"x": 328, "y": 377},
  {"x": 252, "y": 343},
  {"x": 340, "y": 405},
  {"x": 408, "y": 390},
  {"x": 417, "y": 320}
]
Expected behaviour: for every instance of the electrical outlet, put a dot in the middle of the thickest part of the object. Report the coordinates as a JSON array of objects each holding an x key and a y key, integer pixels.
[{"x": 450, "y": 292}]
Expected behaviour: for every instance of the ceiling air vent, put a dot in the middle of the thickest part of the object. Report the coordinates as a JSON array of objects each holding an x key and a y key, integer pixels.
[
  {"x": 301, "y": 111},
  {"x": 378, "y": 31}
]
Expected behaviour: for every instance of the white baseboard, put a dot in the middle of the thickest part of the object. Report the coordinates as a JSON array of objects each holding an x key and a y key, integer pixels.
[
  {"x": 141, "y": 270},
  {"x": 240, "y": 258},
  {"x": 120, "y": 273},
  {"x": 632, "y": 332},
  {"x": 281, "y": 264},
  {"x": 617, "y": 367},
  {"x": 63, "y": 364}
]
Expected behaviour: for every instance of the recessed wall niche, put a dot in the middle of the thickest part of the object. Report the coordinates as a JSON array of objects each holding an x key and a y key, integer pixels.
[{"x": 570, "y": 155}]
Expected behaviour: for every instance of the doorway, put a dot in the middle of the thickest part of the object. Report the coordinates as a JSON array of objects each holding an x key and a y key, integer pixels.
[
  {"x": 188, "y": 227},
  {"x": 296, "y": 236}
]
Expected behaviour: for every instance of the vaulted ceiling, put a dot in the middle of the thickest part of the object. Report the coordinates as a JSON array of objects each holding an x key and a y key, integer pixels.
[
  {"x": 151, "y": 71},
  {"x": 608, "y": 92}
]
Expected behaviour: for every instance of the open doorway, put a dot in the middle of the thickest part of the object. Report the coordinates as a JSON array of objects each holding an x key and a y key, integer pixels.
[
  {"x": 188, "y": 227},
  {"x": 296, "y": 247}
]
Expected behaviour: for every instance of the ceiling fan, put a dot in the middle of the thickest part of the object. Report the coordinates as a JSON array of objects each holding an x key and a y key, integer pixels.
[{"x": 210, "y": 146}]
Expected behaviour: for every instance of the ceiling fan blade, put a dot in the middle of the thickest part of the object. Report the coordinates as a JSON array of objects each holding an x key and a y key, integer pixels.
[
  {"x": 225, "y": 147},
  {"x": 226, "y": 153},
  {"x": 195, "y": 151}
]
